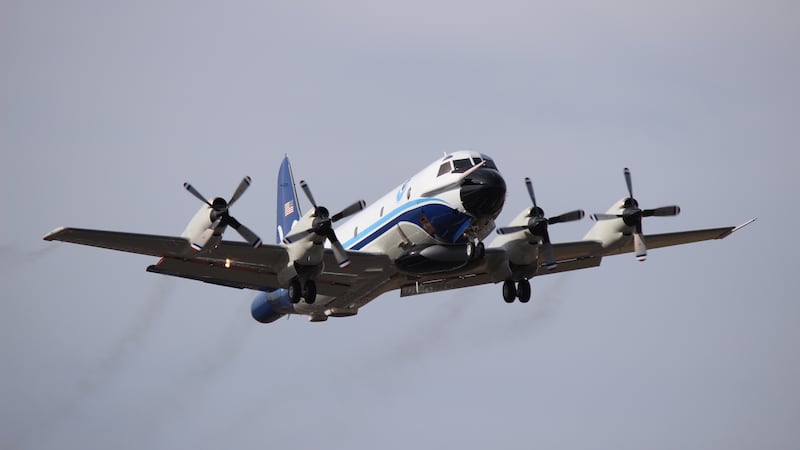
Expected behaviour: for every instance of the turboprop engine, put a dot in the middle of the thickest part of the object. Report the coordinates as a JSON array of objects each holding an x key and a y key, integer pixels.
[{"x": 207, "y": 226}]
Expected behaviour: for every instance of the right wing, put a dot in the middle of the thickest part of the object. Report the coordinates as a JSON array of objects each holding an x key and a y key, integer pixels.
[
  {"x": 238, "y": 265},
  {"x": 143, "y": 244}
]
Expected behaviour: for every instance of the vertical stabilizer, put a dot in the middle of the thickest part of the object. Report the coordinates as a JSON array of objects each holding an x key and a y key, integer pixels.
[{"x": 288, "y": 211}]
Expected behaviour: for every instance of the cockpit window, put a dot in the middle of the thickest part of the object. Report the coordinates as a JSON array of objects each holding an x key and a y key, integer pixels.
[
  {"x": 445, "y": 169},
  {"x": 462, "y": 165}
]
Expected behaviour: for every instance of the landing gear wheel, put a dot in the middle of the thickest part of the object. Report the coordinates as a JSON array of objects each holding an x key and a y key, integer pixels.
[
  {"x": 509, "y": 291},
  {"x": 524, "y": 291},
  {"x": 475, "y": 250},
  {"x": 310, "y": 292},
  {"x": 295, "y": 291},
  {"x": 480, "y": 250}
]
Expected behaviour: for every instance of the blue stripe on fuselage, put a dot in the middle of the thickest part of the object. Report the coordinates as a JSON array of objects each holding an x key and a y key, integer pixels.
[{"x": 447, "y": 222}]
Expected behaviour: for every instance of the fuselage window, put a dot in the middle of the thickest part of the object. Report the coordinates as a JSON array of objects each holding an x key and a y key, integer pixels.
[
  {"x": 444, "y": 169},
  {"x": 355, "y": 232},
  {"x": 461, "y": 165},
  {"x": 381, "y": 212}
]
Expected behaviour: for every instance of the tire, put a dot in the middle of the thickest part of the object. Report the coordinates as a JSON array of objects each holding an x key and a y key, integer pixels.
[
  {"x": 294, "y": 291},
  {"x": 524, "y": 291},
  {"x": 509, "y": 291},
  {"x": 310, "y": 292}
]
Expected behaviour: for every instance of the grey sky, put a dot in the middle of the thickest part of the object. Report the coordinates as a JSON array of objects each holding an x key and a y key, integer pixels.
[{"x": 106, "y": 108}]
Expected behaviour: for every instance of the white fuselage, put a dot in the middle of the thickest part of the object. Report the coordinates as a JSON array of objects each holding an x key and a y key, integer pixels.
[{"x": 426, "y": 209}]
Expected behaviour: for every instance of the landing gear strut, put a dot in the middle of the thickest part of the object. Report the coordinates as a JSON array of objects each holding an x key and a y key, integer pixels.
[{"x": 521, "y": 291}]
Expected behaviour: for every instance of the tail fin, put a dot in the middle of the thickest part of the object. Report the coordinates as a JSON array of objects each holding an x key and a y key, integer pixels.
[{"x": 288, "y": 211}]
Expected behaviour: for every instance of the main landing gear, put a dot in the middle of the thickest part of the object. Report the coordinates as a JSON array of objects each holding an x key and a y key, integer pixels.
[
  {"x": 308, "y": 291},
  {"x": 521, "y": 291},
  {"x": 476, "y": 250}
]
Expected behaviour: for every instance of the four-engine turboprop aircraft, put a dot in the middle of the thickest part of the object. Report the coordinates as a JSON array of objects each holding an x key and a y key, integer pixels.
[{"x": 427, "y": 235}]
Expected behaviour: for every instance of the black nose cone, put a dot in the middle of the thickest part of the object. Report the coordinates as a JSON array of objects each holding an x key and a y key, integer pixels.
[{"x": 483, "y": 193}]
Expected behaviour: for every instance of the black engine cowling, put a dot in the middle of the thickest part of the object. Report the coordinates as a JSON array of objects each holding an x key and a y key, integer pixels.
[{"x": 433, "y": 258}]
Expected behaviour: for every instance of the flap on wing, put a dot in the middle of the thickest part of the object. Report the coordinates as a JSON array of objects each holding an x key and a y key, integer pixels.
[
  {"x": 567, "y": 251},
  {"x": 214, "y": 274}
]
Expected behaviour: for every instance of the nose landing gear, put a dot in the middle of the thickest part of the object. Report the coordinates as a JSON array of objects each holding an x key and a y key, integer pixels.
[{"x": 520, "y": 291}]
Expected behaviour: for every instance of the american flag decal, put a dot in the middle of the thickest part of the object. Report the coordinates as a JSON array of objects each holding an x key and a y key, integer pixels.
[{"x": 288, "y": 208}]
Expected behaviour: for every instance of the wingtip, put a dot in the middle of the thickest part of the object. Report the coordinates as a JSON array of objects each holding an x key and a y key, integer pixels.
[
  {"x": 737, "y": 228},
  {"x": 51, "y": 236}
]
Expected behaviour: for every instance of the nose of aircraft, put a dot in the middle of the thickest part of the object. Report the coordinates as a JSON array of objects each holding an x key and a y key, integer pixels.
[{"x": 483, "y": 192}]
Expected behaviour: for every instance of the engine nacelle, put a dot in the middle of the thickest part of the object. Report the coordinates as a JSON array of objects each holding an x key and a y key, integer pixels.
[
  {"x": 268, "y": 307},
  {"x": 433, "y": 258}
]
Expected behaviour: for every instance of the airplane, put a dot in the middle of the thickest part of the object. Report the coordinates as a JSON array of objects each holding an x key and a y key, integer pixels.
[{"x": 426, "y": 235}]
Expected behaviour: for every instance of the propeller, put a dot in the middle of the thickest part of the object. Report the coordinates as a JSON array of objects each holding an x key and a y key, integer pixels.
[
  {"x": 220, "y": 215},
  {"x": 632, "y": 216},
  {"x": 538, "y": 223},
  {"x": 322, "y": 225}
]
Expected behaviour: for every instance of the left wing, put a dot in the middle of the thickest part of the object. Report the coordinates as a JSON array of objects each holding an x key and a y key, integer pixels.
[
  {"x": 495, "y": 267},
  {"x": 569, "y": 256},
  {"x": 679, "y": 238}
]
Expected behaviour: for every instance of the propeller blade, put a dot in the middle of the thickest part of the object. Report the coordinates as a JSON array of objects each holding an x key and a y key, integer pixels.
[
  {"x": 639, "y": 246},
  {"x": 509, "y": 230},
  {"x": 567, "y": 217},
  {"x": 629, "y": 182},
  {"x": 529, "y": 185},
  {"x": 547, "y": 246},
  {"x": 297, "y": 236},
  {"x": 307, "y": 190},
  {"x": 197, "y": 194},
  {"x": 239, "y": 190},
  {"x": 349, "y": 211},
  {"x": 205, "y": 236},
  {"x": 338, "y": 250},
  {"x": 549, "y": 258},
  {"x": 245, "y": 232},
  {"x": 341, "y": 254},
  {"x": 663, "y": 211},
  {"x": 598, "y": 217}
]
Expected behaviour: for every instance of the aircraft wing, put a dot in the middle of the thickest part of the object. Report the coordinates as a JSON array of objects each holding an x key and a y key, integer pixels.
[
  {"x": 678, "y": 238},
  {"x": 143, "y": 244},
  {"x": 178, "y": 256},
  {"x": 494, "y": 268},
  {"x": 235, "y": 264},
  {"x": 365, "y": 273},
  {"x": 569, "y": 256}
]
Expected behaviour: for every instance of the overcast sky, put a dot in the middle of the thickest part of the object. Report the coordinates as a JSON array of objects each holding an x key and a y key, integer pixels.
[{"x": 107, "y": 107}]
